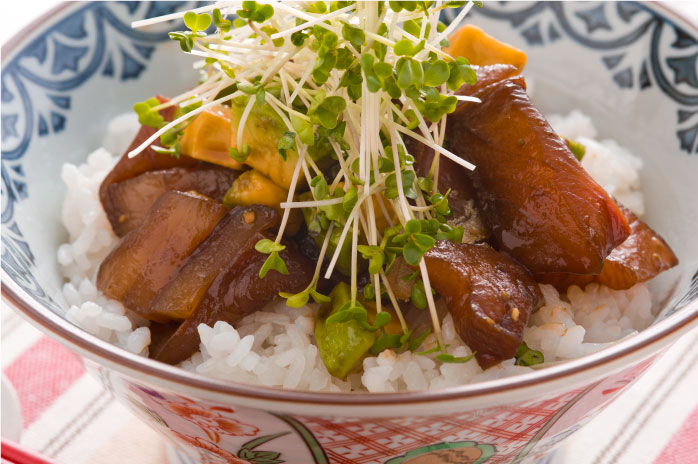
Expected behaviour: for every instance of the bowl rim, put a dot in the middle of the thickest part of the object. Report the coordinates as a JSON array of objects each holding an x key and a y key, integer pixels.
[{"x": 97, "y": 349}]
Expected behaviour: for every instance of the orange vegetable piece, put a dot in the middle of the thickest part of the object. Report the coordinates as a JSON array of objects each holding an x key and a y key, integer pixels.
[
  {"x": 254, "y": 188},
  {"x": 482, "y": 49},
  {"x": 208, "y": 137}
]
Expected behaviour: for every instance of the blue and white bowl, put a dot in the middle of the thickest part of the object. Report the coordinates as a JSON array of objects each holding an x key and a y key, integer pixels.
[{"x": 631, "y": 66}]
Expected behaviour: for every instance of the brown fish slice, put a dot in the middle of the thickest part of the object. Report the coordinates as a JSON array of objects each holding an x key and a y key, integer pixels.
[
  {"x": 145, "y": 258},
  {"x": 487, "y": 75},
  {"x": 236, "y": 232},
  {"x": 542, "y": 207},
  {"x": 452, "y": 175},
  {"x": 129, "y": 200},
  {"x": 147, "y": 160},
  {"x": 236, "y": 292},
  {"x": 489, "y": 296},
  {"x": 641, "y": 257}
]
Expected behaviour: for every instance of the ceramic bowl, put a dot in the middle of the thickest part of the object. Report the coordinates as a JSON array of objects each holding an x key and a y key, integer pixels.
[{"x": 631, "y": 66}]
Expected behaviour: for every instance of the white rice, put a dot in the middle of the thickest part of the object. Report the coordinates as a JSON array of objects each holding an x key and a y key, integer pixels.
[{"x": 275, "y": 347}]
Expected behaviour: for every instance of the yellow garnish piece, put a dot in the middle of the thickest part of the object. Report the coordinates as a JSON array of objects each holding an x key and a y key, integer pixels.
[
  {"x": 482, "y": 49},
  {"x": 263, "y": 129},
  {"x": 254, "y": 188},
  {"x": 207, "y": 138}
]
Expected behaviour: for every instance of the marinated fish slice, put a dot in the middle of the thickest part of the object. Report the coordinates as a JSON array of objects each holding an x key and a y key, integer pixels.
[
  {"x": 641, "y": 257},
  {"x": 489, "y": 296},
  {"x": 129, "y": 200},
  {"x": 147, "y": 160},
  {"x": 451, "y": 176},
  {"x": 234, "y": 234},
  {"x": 236, "y": 292},
  {"x": 487, "y": 75},
  {"x": 542, "y": 208},
  {"x": 147, "y": 256}
]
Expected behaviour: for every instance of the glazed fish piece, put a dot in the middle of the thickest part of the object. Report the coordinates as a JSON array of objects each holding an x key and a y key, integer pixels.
[
  {"x": 453, "y": 176},
  {"x": 641, "y": 257},
  {"x": 235, "y": 293},
  {"x": 489, "y": 296},
  {"x": 542, "y": 208},
  {"x": 146, "y": 257},
  {"x": 233, "y": 235},
  {"x": 147, "y": 160},
  {"x": 487, "y": 75},
  {"x": 127, "y": 202}
]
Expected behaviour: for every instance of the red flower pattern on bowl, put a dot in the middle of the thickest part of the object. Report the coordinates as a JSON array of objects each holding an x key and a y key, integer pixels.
[
  {"x": 210, "y": 421},
  {"x": 210, "y": 453}
]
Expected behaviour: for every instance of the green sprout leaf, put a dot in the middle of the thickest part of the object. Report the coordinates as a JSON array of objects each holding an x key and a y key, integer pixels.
[
  {"x": 349, "y": 199},
  {"x": 525, "y": 356},
  {"x": 223, "y": 25},
  {"x": 319, "y": 186},
  {"x": 418, "y": 296},
  {"x": 354, "y": 35},
  {"x": 382, "y": 319},
  {"x": 327, "y": 111},
  {"x": 304, "y": 129},
  {"x": 252, "y": 11},
  {"x": 260, "y": 97},
  {"x": 384, "y": 342},
  {"x": 460, "y": 72},
  {"x": 577, "y": 149},
  {"x": 318, "y": 297},
  {"x": 239, "y": 155},
  {"x": 405, "y": 47},
  {"x": 412, "y": 253},
  {"x": 267, "y": 246},
  {"x": 186, "y": 42},
  {"x": 449, "y": 358},
  {"x": 275, "y": 262},
  {"x": 148, "y": 116},
  {"x": 436, "y": 73},
  {"x": 296, "y": 300},
  {"x": 416, "y": 342},
  {"x": 286, "y": 142},
  {"x": 197, "y": 22}
]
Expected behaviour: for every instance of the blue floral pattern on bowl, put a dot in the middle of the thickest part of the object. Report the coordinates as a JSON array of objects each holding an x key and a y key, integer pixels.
[
  {"x": 615, "y": 30},
  {"x": 94, "y": 42}
]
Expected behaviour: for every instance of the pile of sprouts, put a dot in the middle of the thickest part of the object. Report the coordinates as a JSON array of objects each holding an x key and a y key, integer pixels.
[{"x": 358, "y": 78}]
